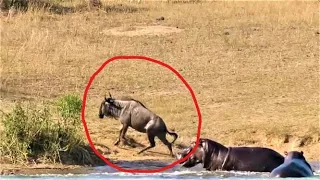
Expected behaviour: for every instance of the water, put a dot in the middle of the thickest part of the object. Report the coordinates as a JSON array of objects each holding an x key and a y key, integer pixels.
[{"x": 178, "y": 172}]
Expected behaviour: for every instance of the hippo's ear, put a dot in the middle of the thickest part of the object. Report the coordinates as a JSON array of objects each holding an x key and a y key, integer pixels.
[
  {"x": 204, "y": 144},
  {"x": 193, "y": 143},
  {"x": 301, "y": 152},
  {"x": 110, "y": 95},
  {"x": 285, "y": 153},
  {"x": 203, "y": 141}
]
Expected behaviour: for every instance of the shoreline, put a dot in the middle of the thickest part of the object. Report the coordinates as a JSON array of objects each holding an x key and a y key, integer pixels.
[{"x": 58, "y": 168}]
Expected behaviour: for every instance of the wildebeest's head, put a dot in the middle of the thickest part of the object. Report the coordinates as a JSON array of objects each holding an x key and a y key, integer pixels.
[
  {"x": 108, "y": 107},
  {"x": 195, "y": 158}
]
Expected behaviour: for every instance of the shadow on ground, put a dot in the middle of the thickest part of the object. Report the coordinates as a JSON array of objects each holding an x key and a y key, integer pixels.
[{"x": 133, "y": 143}]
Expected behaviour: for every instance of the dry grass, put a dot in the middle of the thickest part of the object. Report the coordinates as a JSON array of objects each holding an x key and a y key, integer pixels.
[{"x": 253, "y": 66}]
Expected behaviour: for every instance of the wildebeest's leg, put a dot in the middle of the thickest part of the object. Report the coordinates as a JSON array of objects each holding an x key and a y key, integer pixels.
[
  {"x": 164, "y": 140},
  {"x": 152, "y": 143},
  {"x": 120, "y": 132},
  {"x": 123, "y": 132}
]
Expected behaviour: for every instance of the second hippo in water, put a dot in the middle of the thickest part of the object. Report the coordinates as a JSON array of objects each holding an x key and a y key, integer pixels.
[{"x": 295, "y": 165}]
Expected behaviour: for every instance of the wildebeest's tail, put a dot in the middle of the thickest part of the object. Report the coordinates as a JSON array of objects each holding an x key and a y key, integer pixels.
[{"x": 175, "y": 135}]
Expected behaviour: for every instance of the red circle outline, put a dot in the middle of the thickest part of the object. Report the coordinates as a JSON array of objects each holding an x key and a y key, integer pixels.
[{"x": 86, "y": 128}]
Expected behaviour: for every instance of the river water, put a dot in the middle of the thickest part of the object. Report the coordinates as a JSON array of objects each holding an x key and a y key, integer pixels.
[{"x": 177, "y": 172}]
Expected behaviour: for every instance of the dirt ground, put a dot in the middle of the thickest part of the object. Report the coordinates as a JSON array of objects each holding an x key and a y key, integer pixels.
[{"x": 254, "y": 67}]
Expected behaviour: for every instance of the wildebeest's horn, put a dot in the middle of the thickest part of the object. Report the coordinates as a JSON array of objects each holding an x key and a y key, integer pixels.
[{"x": 110, "y": 95}]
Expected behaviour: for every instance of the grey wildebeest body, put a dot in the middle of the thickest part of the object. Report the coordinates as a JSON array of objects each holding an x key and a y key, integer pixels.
[
  {"x": 295, "y": 165},
  {"x": 215, "y": 156},
  {"x": 133, "y": 113}
]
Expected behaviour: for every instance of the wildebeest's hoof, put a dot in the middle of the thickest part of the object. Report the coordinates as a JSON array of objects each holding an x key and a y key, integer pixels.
[
  {"x": 140, "y": 152},
  {"x": 116, "y": 143}
]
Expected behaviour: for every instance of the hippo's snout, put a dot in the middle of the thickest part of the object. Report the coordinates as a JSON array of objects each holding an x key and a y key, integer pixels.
[{"x": 181, "y": 155}]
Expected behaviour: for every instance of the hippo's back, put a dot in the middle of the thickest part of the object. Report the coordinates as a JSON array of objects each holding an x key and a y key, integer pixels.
[
  {"x": 293, "y": 168},
  {"x": 257, "y": 159}
]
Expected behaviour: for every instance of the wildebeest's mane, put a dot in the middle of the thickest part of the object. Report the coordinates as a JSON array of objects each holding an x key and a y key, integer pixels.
[{"x": 126, "y": 98}]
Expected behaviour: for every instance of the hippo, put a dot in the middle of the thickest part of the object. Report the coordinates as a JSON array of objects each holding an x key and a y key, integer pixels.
[
  {"x": 295, "y": 165},
  {"x": 215, "y": 156}
]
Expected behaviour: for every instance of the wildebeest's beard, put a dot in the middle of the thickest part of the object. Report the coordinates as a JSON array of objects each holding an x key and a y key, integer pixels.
[
  {"x": 194, "y": 159},
  {"x": 101, "y": 110}
]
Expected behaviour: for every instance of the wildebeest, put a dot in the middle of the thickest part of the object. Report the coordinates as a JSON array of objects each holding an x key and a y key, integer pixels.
[
  {"x": 133, "y": 113},
  {"x": 295, "y": 165},
  {"x": 215, "y": 156}
]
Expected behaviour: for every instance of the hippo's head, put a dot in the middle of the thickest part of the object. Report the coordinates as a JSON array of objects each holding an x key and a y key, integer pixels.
[
  {"x": 294, "y": 155},
  {"x": 195, "y": 158}
]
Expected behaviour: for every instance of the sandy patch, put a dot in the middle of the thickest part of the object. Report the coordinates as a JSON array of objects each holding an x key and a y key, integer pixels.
[{"x": 142, "y": 30}]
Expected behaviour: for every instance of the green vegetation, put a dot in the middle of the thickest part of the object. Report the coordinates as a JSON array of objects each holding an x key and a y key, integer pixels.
[
  {"x": 33, "y": 134},
  {"x": 69, "y": 107}
]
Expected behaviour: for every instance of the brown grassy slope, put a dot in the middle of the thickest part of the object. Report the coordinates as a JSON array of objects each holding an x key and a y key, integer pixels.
[{"x": 253, "y": 67}]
